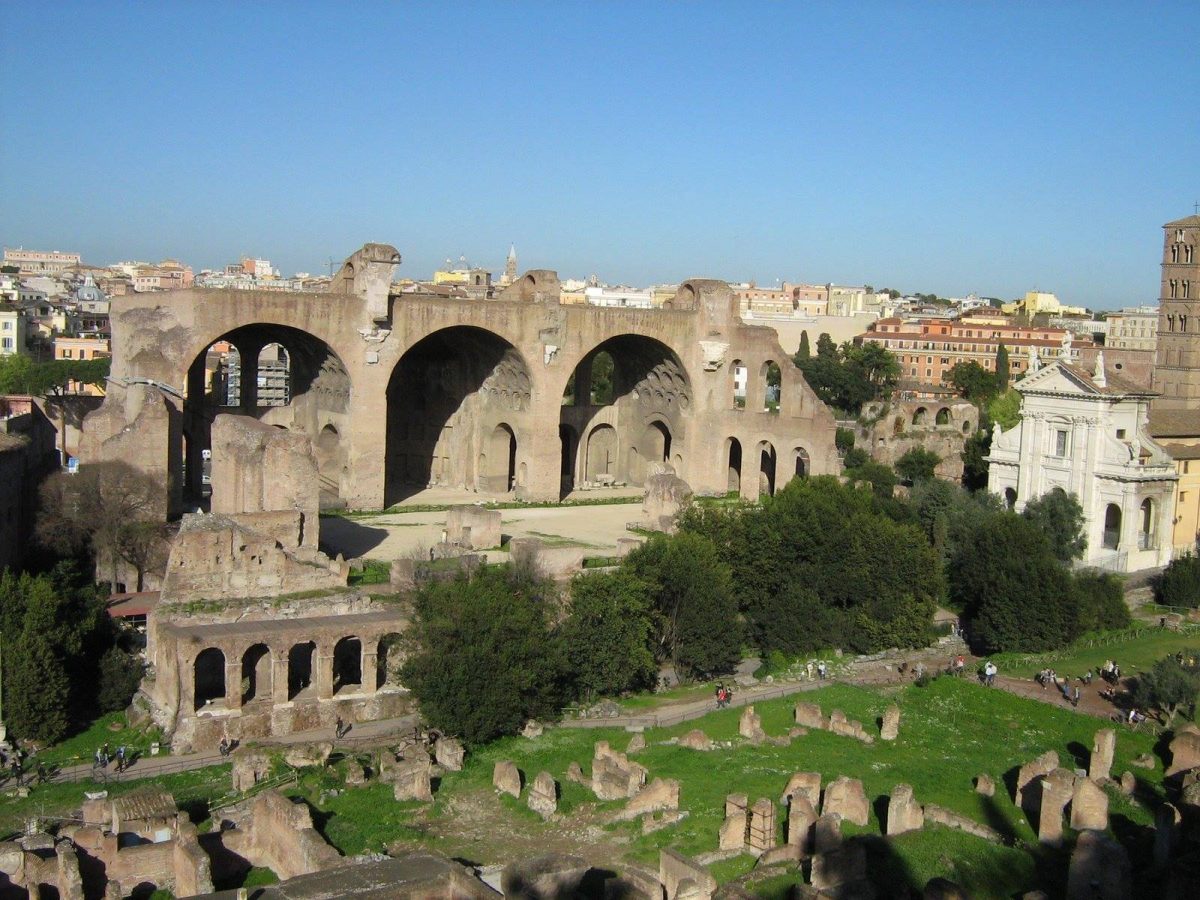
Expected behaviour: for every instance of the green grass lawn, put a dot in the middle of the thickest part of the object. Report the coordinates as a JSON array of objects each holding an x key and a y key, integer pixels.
[
  {"x": 951, "y": 731},
  {"x": 1135, "y": 653},
  {"x": 81, "y": 747}
]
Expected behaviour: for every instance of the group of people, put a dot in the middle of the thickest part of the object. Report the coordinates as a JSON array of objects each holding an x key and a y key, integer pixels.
[
  {"x": 104, "y": 757},
  {"x": 1110, "y": 672},
  {"x": 988, "y": 675},
  {"x": 724, "y": 695}
]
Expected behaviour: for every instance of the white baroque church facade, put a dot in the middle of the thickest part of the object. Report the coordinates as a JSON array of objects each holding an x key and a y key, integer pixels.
[{"x": 1086, "y": 433}]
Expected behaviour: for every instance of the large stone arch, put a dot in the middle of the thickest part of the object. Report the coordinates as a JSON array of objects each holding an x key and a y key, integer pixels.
[
  {"x": 447, "y": 395},
  {"x": 318, "y": 394},
  {"x": 651, "y": 402}
]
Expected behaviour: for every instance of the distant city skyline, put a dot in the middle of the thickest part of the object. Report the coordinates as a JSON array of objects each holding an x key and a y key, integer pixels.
[{"x": 941, "y": 148}]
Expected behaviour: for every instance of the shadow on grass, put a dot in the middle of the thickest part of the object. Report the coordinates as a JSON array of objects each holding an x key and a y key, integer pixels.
[
  {"x": 998, "y": 822},
  {"x": 1080, "y": 754},
  {"x": 887, "y": 871}
]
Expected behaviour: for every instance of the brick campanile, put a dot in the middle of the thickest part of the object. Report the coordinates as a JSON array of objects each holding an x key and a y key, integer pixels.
[{"x": 1177, "y": 357}]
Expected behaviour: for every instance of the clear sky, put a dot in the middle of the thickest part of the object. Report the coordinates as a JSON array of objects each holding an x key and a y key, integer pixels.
[{"x": 946, "y": 147}]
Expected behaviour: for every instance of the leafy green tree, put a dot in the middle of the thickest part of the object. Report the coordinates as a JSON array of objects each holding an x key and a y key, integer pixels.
[
  {"x": 974, "y": 457},
  {"x": 972, "y": 381},
  {"x": 120, "y": 675},
  {"x": 881, "y": 478},
  {"x": 1005, "y": 409},
  {"x": 1100, "y": 599},
  {"x": 1003, "y": 369},
  {"x": 607, "y": 634},
  {"x": 843, "y": 439},
  {"x": 603, "y": 379},
  {"x": 1015, "y": 593},
  {"x": 1059, "y": 517},
  {"x": 21, "y": 375},
  {"x": 803, "y": 353},
  {"x": 1168, "y": 687},
  {"x": 826, "y": 348},
  {"x": 918, "y": 464},
  {"x": 877, "y": 365},
  {"x": 482, "y": 658},
  {"x": 1179, "y": 583},
  {"x": 693, "y": 590},
  {"x": 855, "y": 458}
]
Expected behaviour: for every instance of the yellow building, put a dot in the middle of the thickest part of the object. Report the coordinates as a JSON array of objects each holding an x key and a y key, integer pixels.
[
  {"x": 450, "y": 276},
  {"x": 12, "y": 330},
  {"x": 1041, "y": 302},
  {"x": 1178, "y": 430}
]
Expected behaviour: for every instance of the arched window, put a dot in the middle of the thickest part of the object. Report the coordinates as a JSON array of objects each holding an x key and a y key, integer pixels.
[
  {"x": 1146, "y": 533},
  {"x": 943, "y": 416},
  {"x": 256, "y": 673},
  {"x": 1010, "y": 498},
  {"x": 920, "y": 416},
  {"x": 740, "y": 377},
  {"x": 772, "y": 386},
  {"x": 347, "y": 664},
  {"x": 1112, "y": 527},
  {"x": 208, "y": 671}
]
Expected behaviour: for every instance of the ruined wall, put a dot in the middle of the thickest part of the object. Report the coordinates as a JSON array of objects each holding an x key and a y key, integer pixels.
[
  {"x": 521, "y": 351},
  {"x": 889, "y": 429}
]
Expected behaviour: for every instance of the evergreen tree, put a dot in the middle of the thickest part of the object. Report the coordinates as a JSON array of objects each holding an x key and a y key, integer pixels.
[
  {"x": 803, "y": 352},
  {"x": 1002, "y": 369},
  {"x": 37, "y": 691},
  {"x": 607, "y": 634}
]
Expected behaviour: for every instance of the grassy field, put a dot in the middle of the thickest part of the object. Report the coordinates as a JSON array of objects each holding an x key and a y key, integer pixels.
[
  {"x": 1135, "y": 652},
  {"x": 81, "y": 747},
  {"x": 951, "y": 731}
]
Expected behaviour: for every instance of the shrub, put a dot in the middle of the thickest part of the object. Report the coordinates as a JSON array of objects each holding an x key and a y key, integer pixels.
[
  {"x": 843, "y": 439},
  {"x": 1100, "y": 598},
  {"x": 120, "y": 675},
  {"x": 1179, "y": 584}
]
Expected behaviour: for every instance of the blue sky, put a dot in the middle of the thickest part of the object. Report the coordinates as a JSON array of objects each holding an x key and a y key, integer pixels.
[{"x": 946, "y": 147}]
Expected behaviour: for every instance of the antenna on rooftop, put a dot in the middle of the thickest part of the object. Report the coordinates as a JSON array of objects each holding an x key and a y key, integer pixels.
[{"x": 330, "y": 264}]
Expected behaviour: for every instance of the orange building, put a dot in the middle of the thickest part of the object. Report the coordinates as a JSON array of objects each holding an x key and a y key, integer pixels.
[{"x": 929, "y": 348}]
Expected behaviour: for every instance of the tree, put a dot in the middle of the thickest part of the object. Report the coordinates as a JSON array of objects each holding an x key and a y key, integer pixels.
[
  {"x": 481, "y": 656},
  {"x": 877, "y": 364},
  {"x": 881, "y": 478},
  {"x": 974, "y": 456},
  {"x": 697, "y": 615},
  {"x": 21, "y": 375},
  {"x": 607, "y": 634},
  {"x": 1005, "y": 409},
  {"x": 120, "y": 675},
  {"x": 1168, "y": 687},
  {"x": 917, "y": 464},
  {"x": 826, "y": 348},
  {"x": 972, "y": 381},
  {"x": 1002, "y": 369},
  {"x": 106, "y": 508},
  {"x": 1059, "y": 517},
  {"x": 1179, "y": 583},
  {"x": 1100, "y": 602},
  {"x": 1015, "y": 593},
  {"x": 855, "y": 458},
  {"x": 803, "y": 352},
  {"x": 843, "y": 439}
]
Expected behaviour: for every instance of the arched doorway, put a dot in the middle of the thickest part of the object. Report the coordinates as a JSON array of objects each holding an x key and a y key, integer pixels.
[
  {"x": 568, "y": 440},
  {"x": 772, "y": 386},
  {"x": 1146, "y": 531},
  {"x": 637, "y": 388},
  {"x": 1112, "y": 527},
  {"x": 766, "y": 468},
  {"x": 300, "y": 669},
  {"x": 256, "y": 673},
  {"x": 500, "y": 461},
  {"x": 1010, "y": 498},
  {"x": 800, "y": 462},
  {"x": 448, "y": 398},
  {"x": 208, "y": 682},
  {"x": 733, "y": 460},
  {"x": 920, "y": 416},
  {"x": 347, "y": 665},
  {"x": 279, "y": 375},
  {"x": 331, "y": 463}
]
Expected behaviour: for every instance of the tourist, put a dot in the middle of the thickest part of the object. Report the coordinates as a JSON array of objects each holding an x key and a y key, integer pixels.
[
  {"x": 1087, "y": 677},
  {"x": 821, "y": 670},
  {"x": 960, "y": 665},
  {"x": 121, "y": 758},
  {"x": 1075, "y": 698},
  {"x": 223, "y": 747}
]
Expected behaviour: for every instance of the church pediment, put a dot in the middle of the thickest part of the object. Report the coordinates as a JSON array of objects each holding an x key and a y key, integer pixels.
[{"x": 1056, "y": 379}]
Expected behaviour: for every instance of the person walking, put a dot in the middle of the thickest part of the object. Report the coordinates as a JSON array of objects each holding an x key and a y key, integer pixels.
[{"x": 822, "y": 669}]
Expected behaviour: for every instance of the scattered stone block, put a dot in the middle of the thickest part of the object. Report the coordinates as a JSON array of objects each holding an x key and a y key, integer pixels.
[
  {"x": 733, "y": 829},
  {"x": 784, "y": 854},
  {"x": 939, "y": 815},
  {"x": 652, "y": 822},
  {"x": 449, "y": 753},
  {"x": 1099, "y": 869},
  {"x": 660, "y": 794},
  {"x": 506, "y": 778},
  {"x": 1057, "y": 789},
  {"x": 614, "y": 776},
  {"x": 636, "y": 743},
  {"x": 904, "y": 813},
  {"x": 1185, "y": 749},
  {"x": 1145, "y": 761},
  {"x": 827, "y": 833},
  {"x": 575, "y": 774},
  {"x": 846, "y": 797},
  {"x": 839, "y": 724},
  {"x": 985, "y": 785},
  {"x": 840, "y": 870},
  {"x": 355, "y": 774},
  {"x": 675, "y": 870},
  {"x": 1031, "y": 771},
  {"x": 1128, "y": 784},
  {"x": 890, "y": 728},
  {"x": 543, "y": 795},
  {"x": 532, "y": 729},
  {"x": 750, "y": 726},
  {"x": 809, "y": 715},
  {"x": 302, "y": 756},
  {"x": 696, "y": 740},
  {"x": 546, "y": 877},
  {"x": 410, "y": 778},
  {"x": 1089, "y": 806},
  {"x": 249, "y": 768},
  {"x": 761, "y": 833},
  {"x": 808, "y": 784},
  {"x": 802, "y": 817},
  {"x": 473, "y": 527},
  {"x": 1103, "y": 745}
]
